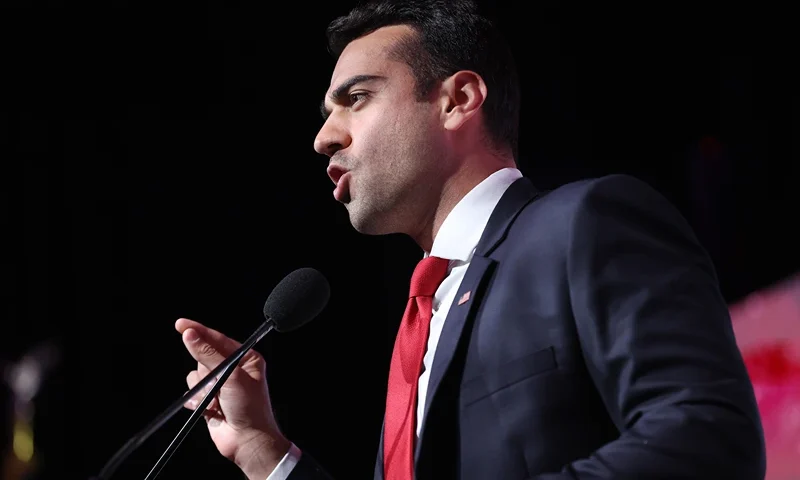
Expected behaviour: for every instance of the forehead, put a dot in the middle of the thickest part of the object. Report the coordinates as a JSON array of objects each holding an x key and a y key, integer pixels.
[{"x": 370, "y": 55}]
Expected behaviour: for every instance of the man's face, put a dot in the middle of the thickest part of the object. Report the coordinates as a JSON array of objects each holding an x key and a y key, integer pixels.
[{"x": 384, "y": 145}]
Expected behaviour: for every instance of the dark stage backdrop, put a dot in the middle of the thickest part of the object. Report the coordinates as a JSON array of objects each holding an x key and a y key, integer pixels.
[{"x": 158, "y": 164}]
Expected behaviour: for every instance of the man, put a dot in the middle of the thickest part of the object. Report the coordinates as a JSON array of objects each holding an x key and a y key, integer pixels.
[{"x": 577, "y": 334}]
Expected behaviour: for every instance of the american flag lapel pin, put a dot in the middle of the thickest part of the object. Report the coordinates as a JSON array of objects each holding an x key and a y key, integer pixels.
[{"x": 463, "y": 298}]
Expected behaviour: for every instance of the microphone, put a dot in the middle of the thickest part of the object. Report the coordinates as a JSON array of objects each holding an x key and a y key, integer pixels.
[{"x": 295, "y": 301}]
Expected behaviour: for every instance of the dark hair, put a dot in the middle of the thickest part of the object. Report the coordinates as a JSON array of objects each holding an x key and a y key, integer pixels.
[{"x": 451, "y": 36}]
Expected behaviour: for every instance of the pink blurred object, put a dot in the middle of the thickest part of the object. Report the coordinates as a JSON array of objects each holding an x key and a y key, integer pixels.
[
  {"x": 769, "y": 315},
  {"x": 776, "y": 379},
  {"x": 767, "y": 326}
]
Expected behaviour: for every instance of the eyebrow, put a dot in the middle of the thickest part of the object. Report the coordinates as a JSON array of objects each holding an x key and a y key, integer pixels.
[{"x": 341, "y": 91}]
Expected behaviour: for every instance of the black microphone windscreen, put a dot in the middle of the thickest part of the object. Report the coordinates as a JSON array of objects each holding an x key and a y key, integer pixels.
[{"x": 297, "y": 299}]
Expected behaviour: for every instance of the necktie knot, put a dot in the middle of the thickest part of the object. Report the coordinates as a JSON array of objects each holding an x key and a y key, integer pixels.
[{"x": 428, "y": 274}]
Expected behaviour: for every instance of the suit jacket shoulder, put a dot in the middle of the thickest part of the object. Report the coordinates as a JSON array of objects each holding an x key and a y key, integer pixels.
[{"x": 582, "y": 208}]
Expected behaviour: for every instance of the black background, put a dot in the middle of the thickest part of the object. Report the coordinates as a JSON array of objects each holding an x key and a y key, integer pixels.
[{"x": 157, "y": 163}]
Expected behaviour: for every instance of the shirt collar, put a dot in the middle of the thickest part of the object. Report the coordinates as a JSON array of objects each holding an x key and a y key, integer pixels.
[{"x": 463, "y": 227}]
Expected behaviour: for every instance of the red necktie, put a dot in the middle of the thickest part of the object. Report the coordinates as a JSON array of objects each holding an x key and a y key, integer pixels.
[{"x": 409, "y": 349}]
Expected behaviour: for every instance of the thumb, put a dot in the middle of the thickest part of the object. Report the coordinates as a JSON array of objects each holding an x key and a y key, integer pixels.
[{"x": 201, "y": 349}]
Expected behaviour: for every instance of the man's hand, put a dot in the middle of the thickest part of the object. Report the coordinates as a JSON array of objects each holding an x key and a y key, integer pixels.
[{"x": 239, "y": 418}]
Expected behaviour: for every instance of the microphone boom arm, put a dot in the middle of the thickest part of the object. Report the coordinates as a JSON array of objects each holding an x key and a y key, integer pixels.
[{"x": 223, "y": 370}]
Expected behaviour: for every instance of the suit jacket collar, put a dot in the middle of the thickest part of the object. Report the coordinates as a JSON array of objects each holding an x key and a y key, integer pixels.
[{"x": 518, "y": 194}]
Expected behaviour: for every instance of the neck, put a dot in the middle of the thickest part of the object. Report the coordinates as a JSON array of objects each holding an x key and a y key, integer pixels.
[{"x": 470, "y": 173}]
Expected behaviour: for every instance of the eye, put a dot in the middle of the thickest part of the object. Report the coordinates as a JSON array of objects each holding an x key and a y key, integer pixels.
[{"x": 357, "y": 97}]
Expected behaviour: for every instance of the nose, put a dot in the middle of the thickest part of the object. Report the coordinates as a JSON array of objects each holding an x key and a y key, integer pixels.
[{"x": 331, "y": 138}]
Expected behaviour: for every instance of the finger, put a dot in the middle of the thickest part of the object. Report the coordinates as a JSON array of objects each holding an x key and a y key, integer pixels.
[
  {"x": 192, "y": 379},
  {"x": 205, "y": 351},
  {"x": 224, "y": 344},
  {"x": 213, "y": 409},
  {"x": 213, "y": 419}
]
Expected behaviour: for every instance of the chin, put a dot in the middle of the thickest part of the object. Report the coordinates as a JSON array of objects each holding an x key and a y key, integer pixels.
[
  {"x": 368, "y": 223},
  {"x": 366, "y": 228}
]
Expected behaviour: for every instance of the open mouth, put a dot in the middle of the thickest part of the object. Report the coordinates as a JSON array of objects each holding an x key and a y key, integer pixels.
[{"x": 340, "y": 178}]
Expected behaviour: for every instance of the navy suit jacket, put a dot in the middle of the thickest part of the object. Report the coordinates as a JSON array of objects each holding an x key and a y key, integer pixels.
[{"x": 595, "y": 344}]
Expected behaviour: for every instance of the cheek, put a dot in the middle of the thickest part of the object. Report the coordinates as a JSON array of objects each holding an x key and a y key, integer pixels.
[
  {"x": 388, "y": 142},
  {"x": 379, "y": 136}
]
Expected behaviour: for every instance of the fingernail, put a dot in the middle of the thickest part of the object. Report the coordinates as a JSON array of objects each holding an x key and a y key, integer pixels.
[
  {"x": 192, "y": 404},
  {"x": 213, "y": 421},
  {"x": 192, "y": 336}
]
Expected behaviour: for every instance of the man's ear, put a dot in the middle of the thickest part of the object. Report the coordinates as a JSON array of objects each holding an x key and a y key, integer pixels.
[{"x": 462, "y": 95}]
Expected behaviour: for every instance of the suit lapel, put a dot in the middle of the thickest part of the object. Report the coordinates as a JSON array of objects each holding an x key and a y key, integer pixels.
[
  {"x": 467, "y": 300},
  {"x": 454, "y": 325}
]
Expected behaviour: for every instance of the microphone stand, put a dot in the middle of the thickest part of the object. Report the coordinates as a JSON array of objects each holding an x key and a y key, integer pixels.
[{"x": 223, "y": 370}]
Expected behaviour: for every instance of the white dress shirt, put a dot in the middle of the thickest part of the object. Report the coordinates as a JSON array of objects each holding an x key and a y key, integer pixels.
[{"x": 456, "y": 240}]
